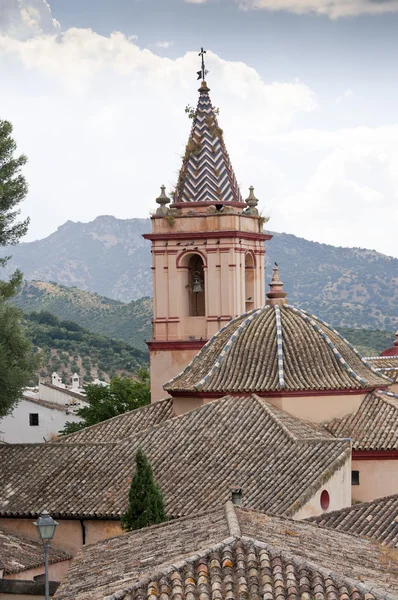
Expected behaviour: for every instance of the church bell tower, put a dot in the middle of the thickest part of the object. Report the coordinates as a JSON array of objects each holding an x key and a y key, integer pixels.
[{"x": 207, "y": 251}]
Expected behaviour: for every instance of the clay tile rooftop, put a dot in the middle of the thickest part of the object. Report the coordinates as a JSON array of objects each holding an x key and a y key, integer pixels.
[
  {"x": 276, "y": 348},
  {"x": 280, "y": 462},
  {"x": 377, "y": 520},
  {"x": 373, "y": 426},
  {"x": 232, "y": 553}
]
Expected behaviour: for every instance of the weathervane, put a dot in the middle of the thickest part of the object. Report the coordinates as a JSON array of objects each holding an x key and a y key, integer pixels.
[{"x": 203, "y": 71}]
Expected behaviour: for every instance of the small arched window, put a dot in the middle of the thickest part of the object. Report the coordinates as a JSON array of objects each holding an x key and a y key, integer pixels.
[
  {"x": 325, "y": 500},
  {"x": 196, "y": 286},
  {"x": 249, "y": 281}
]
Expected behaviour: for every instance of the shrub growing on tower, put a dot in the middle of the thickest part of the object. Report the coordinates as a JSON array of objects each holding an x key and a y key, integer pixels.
[{"x": 146, "y": 505}]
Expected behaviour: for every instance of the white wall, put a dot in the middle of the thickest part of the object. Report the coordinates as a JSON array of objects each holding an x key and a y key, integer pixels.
[
  {"x": 15, "y": 428},
  {"x": 59, "y": 397},
  {"x": 339, "y": 489}
]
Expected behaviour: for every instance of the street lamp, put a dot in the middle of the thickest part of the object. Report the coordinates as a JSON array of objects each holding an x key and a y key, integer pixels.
[{"x": 46, "y": 529}]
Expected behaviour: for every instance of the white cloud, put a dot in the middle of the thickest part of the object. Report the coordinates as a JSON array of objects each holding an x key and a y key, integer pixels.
[
  {"x": 164, "y": 44},
  {"x": 195, "y": 1},
  {"x": 102, "y": 120},
  {"x": 347, "y": 94},
  {"x": 22, "y": 19},
  {"x": 349, "y": 195},
  {"x": 334, "y": 9}
]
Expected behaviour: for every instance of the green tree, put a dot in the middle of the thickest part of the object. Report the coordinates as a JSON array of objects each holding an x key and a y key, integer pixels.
[
  {"x": 13, "y": 189},
  {"x": 17, "y": 361},
  {"x": 18, "y": 364},
  {"x": 105, "y": 402},
  {"x": 146, "y": 505}
]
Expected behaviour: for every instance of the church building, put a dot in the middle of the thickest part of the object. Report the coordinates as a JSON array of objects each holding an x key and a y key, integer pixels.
[{"x": 207, "y": 251}]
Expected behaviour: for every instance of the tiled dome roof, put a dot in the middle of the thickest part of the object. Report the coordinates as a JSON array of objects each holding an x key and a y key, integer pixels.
[{"x": 273, "y": 348}]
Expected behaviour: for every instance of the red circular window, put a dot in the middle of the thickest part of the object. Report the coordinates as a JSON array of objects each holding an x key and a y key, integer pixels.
[{"x": 325, "y": 500}]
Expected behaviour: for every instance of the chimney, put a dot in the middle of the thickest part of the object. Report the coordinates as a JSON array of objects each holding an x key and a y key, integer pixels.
[{"x": 236, "y": 496}]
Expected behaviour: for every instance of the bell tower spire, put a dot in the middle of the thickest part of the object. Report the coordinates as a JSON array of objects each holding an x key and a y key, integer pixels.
[
  {"x": 206, "y": 175},
  {"x": 207, "y": 250}
]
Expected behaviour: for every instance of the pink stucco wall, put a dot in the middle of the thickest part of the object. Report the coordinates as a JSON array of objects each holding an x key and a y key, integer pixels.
[
  {"x": 377, "y": 478},
  {"x": 56, "y": 572}
]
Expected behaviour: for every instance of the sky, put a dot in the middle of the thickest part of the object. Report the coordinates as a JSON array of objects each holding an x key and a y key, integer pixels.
[{"x": 307, "y": 92}]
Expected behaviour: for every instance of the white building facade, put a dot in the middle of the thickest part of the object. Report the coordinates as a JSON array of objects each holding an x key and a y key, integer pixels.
[{"x": 43, "y": 412}]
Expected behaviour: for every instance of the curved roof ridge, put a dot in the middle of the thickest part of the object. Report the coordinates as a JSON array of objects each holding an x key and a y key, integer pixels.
[
  {"x": 318, "y": 329},
  {"x": 279, "y": 342},
  {"x": 378, "y": 357},
  {"x": 387, "y": 393},
  {"x": 258, "y": 311},
  {"x": 207, "y": 345},
  {"x": 358, "y": 354}
]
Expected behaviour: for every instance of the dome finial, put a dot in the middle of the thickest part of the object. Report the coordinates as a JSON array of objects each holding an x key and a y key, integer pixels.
[
  {"x": 393, "y": 351},
  {"x": 162, "y": 200},
  {"x": 276, "y": 295}
]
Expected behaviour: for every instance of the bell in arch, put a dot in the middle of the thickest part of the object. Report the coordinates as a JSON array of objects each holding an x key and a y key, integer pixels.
[{"x": 197, "y": 285}]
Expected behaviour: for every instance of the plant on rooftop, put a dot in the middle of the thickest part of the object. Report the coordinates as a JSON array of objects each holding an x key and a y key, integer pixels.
[
  {"x": 170, "y": 218},
  {"x": 146, "y": 505},
  {"x": 18, "y": 363},
  {"x": 122, "y": 395},
  {"x": 190, "y": 111}
]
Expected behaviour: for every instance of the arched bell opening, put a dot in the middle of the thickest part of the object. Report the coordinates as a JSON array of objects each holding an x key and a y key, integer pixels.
[
  {"x": 196, "y": 286},
  {"x": 249, "y": 281}
]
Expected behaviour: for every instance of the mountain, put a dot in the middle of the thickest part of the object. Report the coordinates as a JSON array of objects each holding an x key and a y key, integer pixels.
[
  {"x": 348, "y": 287},
  {"x": 131, "y": 321},
  {"x": 68, "y": 348}
]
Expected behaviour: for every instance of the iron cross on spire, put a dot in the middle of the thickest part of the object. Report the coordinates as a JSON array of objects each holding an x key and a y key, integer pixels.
[{"x": 203, "y": 71}]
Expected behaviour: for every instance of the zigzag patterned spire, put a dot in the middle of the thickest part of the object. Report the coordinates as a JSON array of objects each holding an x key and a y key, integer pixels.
[{"x": 206, "y": 174}]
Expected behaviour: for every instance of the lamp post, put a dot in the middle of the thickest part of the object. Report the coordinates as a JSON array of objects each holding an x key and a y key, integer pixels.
[{"x": 46, "y": 529}]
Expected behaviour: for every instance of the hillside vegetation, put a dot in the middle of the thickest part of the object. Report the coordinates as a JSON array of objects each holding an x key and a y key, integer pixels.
[
  {"x": 129, "y": 322},
  {"x": 348, "y": 287},
  {"x": 66, "y": 348},
  {"x": 132, "y": 322}
]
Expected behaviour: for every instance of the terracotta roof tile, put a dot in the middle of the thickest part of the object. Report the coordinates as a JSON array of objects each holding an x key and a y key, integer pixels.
[
  {"x": 122, "y": 426},
  {"x": 374, "y": 426},
  {"x": 270, "y": 557},
  {"x": 377, "y": 520},
  {"x": 243, "y": 357},
  {"x": 19, "y": 553},
  {"x": 198, "y": 458},
  {"x": 387, "y": 365}
]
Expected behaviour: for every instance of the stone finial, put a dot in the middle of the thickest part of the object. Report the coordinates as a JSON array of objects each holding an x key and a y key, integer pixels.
[
  {"x": 162, "y": 200},
  {"x": 251, "y": 202},
  {"x": 276, "y": 295},
  {"x": 203, "y": 88}
]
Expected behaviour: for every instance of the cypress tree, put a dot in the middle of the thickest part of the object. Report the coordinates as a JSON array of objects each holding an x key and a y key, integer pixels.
[{"x": 146, "y": 505}]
